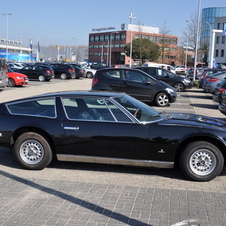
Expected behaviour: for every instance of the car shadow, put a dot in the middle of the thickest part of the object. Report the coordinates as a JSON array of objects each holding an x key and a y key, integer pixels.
[
  {"x": 198, "y": 96},
  {"x": 208, "y": 106},
  {"x": 6, "y": 159}
]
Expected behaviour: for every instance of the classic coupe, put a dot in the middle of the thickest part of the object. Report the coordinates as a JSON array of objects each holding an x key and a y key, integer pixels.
[{"x": 110, "y": 128}]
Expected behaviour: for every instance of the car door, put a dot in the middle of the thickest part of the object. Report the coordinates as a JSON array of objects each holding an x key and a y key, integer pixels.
[
  {"x": 166, "y": 76},
  {"x": 27, "y": 70},
  {"x": 111, "y": 135},
  {"x": 139, "y": 85}
]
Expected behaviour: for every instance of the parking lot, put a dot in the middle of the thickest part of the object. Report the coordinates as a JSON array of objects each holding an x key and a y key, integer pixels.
[{"x": 93, "y": 194}]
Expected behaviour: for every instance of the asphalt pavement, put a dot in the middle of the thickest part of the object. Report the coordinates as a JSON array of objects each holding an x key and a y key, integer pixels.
[{"x": 84, "y": 194}]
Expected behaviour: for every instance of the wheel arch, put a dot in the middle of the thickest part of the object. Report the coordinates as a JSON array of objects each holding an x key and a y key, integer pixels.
[
  {"x": 37, "y": 130},
  {"x": 214, "y": 140}
]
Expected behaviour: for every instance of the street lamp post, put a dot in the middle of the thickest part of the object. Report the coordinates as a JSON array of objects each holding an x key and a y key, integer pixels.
[
  {"x": 197, "y": 40},
  {"x": 7, "y": 33},
  {"x": 212, "y": 46},
  {"x": 131, "y": 17},
  {"x": 186, "y": 54},
  {"x": 75, "y": 48}
]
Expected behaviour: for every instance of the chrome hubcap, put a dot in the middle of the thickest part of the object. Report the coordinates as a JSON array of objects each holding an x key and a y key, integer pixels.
[
  {"x": 31, "y": 152},
  {"x": 202, "y": 162}
]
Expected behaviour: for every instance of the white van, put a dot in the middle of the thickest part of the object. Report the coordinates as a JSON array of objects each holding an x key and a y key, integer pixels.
[
  {"x": 165, "y": 66},
  {"x": 3, "y": 71}
]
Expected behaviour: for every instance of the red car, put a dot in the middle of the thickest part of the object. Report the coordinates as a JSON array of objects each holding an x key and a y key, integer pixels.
[{"x": 16, "y": 79}]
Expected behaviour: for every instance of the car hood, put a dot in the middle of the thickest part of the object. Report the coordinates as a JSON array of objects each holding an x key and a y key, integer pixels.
[
  {"x": 16, "y": 74},
  {"x": 195, "y": 120}
]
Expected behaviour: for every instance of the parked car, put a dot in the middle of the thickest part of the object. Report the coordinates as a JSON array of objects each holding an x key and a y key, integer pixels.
[
  {"x": 222, "y": 104},
  {"x": 79, "y": 71},
  {"x": 15, "y": 65},
  {"x": 219, "y": 90},
  {"x": 37, "y": 72},
  {"x": 98, "y": 65},
  {"x": 110, "y": 128},
  {"x": 178, "y": 82},
  {"x": 190, "y": 73},
  {"x": 212, "y": 81},
  {"x": 3, "y": 73},
  {"x": 16, "y": 79},
  {"x": 63, "y": 71},
  {"x": 135, "y": 83},
  {"x": 180, "y": 70},
  {"x": 208, "y": 72}
]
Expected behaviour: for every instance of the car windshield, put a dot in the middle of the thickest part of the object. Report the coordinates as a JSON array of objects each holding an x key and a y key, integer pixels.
[{"x": 140, "y": 110}]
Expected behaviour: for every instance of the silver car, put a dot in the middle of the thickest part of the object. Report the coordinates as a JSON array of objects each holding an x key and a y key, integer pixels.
[{"x": 212, "y": 81}]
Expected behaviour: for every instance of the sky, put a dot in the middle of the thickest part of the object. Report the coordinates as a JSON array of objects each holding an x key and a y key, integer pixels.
[{"x": 69, "y": 22}]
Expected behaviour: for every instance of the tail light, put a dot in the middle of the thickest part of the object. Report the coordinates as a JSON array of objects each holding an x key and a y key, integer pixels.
[
  {"x": 221, "y": 90},
  {"x": 48, "y": 71},
  {"x": 213, "y": 79},
  {"x": 95, "y": 81},
  {"x": 70, "y": 70}
]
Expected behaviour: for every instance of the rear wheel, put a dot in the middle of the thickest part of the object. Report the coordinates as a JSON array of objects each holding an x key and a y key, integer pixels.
[
  {"x": 179, "y": 87},
  {"x": 11, "y": 82},
  {"x": 41, "y": 78},
  {"x": 201, "y": 161},
  {"x": 73, "y": 76},
  {"x": 63, "y": 76},
  {"x": 162, "y": 99},
  {"x": 32, "y": 151}
]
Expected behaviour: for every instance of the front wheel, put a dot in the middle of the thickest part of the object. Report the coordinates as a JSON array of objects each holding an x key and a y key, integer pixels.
[
  {"x": 201, "y": 161},
  {"x": 89, "y": 75},
  {"x": 32, "y": 151},
  {"x": 162, "y": 99},
  {"x": 179, "y": 87},
  {"x": 11, "y": 82}
]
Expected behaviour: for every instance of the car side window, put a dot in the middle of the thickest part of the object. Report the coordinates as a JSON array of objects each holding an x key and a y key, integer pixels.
[
  {"x": 87, "y": 109},
  {"x": 135, "y": 76},
  {"x": 44, "y": 108},
  {"x": 92, "y": 109},
  {"x": 113, "y": 74}
]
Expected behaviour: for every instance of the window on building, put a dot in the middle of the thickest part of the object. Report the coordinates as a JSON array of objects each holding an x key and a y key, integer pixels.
[
  {"x": 217, "y": 53},
  {"x": 91, "y": 38},
  {"x": 217, "y": 39},
  {"x": 96, "y": 38},
  {"x": 117, "y": 37},
  {"x": 173, "y": 41},
  {"x": 106, "y": 37},
  {"x": 153, "y": 38},
  {"x": 222, "y": 53},
  {"x": 123, "y": 36},
  {"x": 223, "y": 39},
  {"x": 101, "y": 38},
  {"x": 218, "y": 25},
  {"x": 137, "y": 36}
]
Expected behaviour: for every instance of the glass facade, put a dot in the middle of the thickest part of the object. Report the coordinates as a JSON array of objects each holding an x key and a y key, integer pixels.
[{"x": 209, "y": 21}]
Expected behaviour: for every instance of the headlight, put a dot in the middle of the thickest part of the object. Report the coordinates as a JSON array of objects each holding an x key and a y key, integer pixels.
[
  {"x": 170, "y": 90},
  {"x": 187, "y": 80},
  {"x": 19, "y": 77}
]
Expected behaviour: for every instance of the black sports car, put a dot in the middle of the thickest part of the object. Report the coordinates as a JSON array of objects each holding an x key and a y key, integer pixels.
[{"x": 110, "y": 128}]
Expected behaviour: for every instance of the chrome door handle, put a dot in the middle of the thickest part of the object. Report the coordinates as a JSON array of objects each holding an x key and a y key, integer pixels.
[{"x": 76, "y": 128}]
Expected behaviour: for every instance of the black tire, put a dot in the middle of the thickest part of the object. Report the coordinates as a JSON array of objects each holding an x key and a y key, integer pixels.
[
  {"x": 89, "y": 75},
  {"x": 162, "y": 99},
  {"x": 73, "y": 76},
  {"x": 32, "y": 151},
  {"x": 201, "y": 161},
  {"x": 179, "y": 87},
  {"x": 11, "y": 82},
  {"x": 63, "y": 76},
  {"x": 41, "y": 78}
]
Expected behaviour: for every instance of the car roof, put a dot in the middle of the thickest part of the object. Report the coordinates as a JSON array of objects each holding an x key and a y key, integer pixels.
[{"x": 78, "y": 93}]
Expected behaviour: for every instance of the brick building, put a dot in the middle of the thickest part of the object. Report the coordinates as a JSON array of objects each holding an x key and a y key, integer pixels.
[{"x": 109, "y": 46}]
